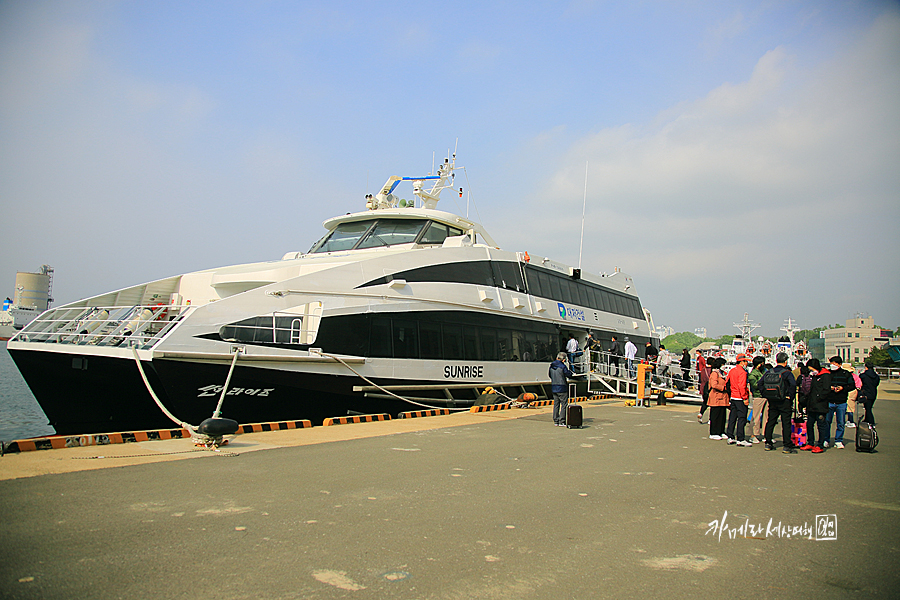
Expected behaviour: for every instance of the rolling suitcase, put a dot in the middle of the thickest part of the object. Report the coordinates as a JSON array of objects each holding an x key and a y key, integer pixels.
[
  {"x": 799, "y": 435},
  {"x": 866, "y": 437},
  {"x": 573, "y": 415}
]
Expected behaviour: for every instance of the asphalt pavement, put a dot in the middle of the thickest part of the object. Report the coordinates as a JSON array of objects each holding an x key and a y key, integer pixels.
[{"x": 638, "y": 503}]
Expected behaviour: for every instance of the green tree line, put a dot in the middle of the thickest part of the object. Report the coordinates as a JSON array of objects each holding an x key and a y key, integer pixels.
[{"x": 679, "y": 341}]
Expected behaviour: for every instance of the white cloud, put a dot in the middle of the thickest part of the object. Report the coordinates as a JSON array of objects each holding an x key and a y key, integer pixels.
[
  {"x": 724, "y": 31},
  {"x": 789, "y": 165}
]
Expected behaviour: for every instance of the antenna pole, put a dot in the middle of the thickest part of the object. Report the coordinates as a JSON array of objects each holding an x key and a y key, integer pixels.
[{"x": 583, "y": 207}]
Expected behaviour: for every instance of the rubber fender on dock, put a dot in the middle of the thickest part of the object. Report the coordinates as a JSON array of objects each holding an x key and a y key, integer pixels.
[
  {"x": 486, "y": 399},
  {"x": 217, "y": 427}
]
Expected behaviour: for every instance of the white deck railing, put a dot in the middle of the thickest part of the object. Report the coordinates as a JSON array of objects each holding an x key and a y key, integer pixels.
[{"x": 127, "y": 326}]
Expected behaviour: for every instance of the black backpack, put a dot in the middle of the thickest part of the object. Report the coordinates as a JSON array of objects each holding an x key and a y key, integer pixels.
[
  {"x": 805, "y": 384},
  {"x": 773, "y": 386}
]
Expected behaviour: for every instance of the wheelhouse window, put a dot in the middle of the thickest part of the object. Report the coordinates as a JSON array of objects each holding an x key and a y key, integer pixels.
[
  {"x": 380, "y": 233},
  {"x": 391, "y": 232},
  {"x": 344, "y": 237}
]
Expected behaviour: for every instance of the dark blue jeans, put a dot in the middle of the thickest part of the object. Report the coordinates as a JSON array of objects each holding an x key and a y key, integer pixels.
[
  {"x": 841, "y": 411},
  {"x": 816, "y": 421}
]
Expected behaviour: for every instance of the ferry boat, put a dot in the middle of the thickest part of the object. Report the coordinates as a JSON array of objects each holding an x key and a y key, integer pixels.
[{"x": 396, "y": 308}]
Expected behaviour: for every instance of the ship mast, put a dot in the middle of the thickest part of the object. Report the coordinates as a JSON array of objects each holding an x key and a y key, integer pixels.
[
  {"x": 789, "y": 329},
  {"x": 746, "y": 326}
]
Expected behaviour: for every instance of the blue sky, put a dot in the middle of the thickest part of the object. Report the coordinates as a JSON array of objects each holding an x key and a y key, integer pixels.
[{"x": 741, "y": 156}]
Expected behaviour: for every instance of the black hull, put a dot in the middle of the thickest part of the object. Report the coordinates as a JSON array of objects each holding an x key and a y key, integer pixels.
[{"x": 109, "y": 394}]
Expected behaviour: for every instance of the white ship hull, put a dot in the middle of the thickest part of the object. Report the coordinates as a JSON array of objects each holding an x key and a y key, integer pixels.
[{"x": 324, "y": 333}]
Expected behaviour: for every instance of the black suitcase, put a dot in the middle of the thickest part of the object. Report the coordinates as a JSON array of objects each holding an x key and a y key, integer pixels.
[
  {"x": 573, "y": 415},
  {"x": 866, "y": 437}
]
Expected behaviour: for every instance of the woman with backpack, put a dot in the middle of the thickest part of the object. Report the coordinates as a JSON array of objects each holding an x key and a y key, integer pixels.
[
  {"x": 816, "y": 404},
  {"x": 719, "y": 399},
  {"x": 804, "y": 384}
]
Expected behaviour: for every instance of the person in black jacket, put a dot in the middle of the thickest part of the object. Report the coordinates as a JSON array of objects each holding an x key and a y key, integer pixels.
[
  {"x": 869, "y": 390},
  {"x": 782, "y": 407},
  {"x": 816, "y": 405},
  {"x": 615, "y": 351},
  {"x": 841, "y": 384}
]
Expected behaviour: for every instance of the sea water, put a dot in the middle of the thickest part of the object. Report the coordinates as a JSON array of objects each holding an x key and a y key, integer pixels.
[{"x": 20, "y": 414}]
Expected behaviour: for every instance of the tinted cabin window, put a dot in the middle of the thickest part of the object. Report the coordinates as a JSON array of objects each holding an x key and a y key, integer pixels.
[
  {"x": 390, "y": 232},
  {"x": 344, "y": 237},
  {"x": 489, "y": 344},
  {"x": 380, "y": 337},
  {"x": 554, "y": 288},
  {"x": 569, "y": 293},
  {"x": 470, "y": 343},
  {"x": 430, "y": 342},
  {"x": 507, "y": 275},
  {"x": 263, "y": 330},
  {"x": 545, "y": 285},
  {"x": 406, "y": 339},
  {"x": 436, "y": 233},
  {"x": 452, "y": 341}
]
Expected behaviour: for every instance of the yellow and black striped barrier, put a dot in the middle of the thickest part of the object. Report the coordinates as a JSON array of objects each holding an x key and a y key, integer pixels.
[
  {"x": 57, "y": 442},
  {"x": 488, "y": 407},
  {"x": 412, "y": 414},
  {"x": 355, "y": 419},
  {"x": 275, "y": 426}
]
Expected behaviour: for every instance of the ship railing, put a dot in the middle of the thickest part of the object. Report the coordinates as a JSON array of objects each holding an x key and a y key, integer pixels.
[
  {"x": 139, "y": 326},
  {"x": 609, "y": 365}
]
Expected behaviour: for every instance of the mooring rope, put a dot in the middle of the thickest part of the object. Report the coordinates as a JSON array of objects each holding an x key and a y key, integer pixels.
[
  {"x": 372, "y": 383},
  {"x": 188, "y": 426}
]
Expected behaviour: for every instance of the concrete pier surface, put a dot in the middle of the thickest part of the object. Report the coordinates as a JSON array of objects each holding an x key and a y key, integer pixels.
[{"x": 638, "y": 503}]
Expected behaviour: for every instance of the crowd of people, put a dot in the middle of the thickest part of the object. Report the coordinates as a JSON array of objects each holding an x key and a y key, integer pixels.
[
  {"x": 752, "y": 392},
  {"x": 819, "y": 396}
]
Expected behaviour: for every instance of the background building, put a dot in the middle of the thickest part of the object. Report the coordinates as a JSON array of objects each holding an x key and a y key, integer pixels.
[
  {"x": 854, "y": 342},
  {"x": 664, "y": 331}
]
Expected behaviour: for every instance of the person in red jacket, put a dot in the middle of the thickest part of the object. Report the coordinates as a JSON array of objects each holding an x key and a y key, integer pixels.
[{"x": 740, "y": 400}]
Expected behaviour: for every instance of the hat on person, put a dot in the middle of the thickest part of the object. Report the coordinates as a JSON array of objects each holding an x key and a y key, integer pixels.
[{"x": 741, "y": 357}]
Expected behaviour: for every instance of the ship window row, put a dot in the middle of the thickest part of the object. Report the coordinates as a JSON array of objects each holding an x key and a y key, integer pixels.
[
  {"x": 537, "y": 282},
  {"x": 506, "y": 275},
  {"x": 548, "y": 284},
  {"x": 433, "y": 335},
  {"x": 409, "y": 338},
  {"x": 440, "y": 335},
  {"x": 377, "y": 233}
]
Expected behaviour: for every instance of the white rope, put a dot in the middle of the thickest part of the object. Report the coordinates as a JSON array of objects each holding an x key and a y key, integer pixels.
[
  {"x": 140, "y": 367},
  {"x": 372, "y": 383},
  {"x": 218, "y": 410}
]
